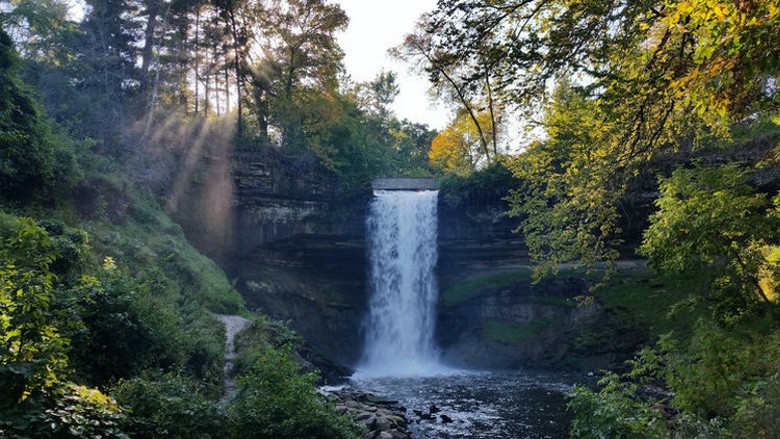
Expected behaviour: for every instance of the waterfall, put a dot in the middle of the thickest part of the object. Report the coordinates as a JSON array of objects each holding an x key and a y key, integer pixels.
[{"x": 402, "y": 232}]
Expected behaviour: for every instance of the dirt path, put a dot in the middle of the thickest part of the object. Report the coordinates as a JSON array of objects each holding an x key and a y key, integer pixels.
[{"x": 233, "y": 326}]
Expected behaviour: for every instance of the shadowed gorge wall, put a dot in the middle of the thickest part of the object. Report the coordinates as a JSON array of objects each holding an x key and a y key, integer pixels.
[{"x": 296, "y": 250}]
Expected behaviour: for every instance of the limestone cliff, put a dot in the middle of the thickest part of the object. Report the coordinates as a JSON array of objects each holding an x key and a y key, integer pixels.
[{"x": 295, "y": 248}]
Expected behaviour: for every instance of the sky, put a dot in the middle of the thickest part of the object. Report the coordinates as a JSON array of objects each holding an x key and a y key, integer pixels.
[{"x": 376, "y": 26}]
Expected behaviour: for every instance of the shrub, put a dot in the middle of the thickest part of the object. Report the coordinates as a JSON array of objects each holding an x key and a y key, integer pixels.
[{"x": 274, "y": 402}]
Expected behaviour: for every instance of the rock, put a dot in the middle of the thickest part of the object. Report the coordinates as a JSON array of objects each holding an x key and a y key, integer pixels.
[
  {"x": 383, "y": 424},
  {"x": 397, "y": 420},
  {"x": 381, "y": 418},
  {"x": 418, "y": 413},
  {"x": 446, "y": 419},
  {"x": 362, "y": 416},
  {"x": 433, "y": 409},
  {"x": 368, "y": 422}
]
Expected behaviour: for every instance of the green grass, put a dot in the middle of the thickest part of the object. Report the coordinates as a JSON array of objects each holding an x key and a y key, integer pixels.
[
  {"x": 563, "y": 302},
  {"x": 149, "y": 239},
  {"x": 512, "y": 333},
  {"x": 472, "y": 286},
  {"x": 648, "y": 299}
]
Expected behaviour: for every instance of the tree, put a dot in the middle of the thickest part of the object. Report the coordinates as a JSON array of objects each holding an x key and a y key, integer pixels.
[
  {"x": 659, "y": 76},
  {"x": 455, "y": 79},
  {"x": 457, "y": 149},
  {"x": 109, "y": 77},
  {"x": 710, "y": 217},
  {"x": 27, "y": 154},
  {"x": 275, "y": 402},
  {"x": 568, "y": 198},
  {"x": 375, "y": 97},
  {"x": 299, "y": 57}
]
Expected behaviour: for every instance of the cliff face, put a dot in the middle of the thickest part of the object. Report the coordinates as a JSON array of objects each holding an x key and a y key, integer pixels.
[{"x": 297, "y": 251}]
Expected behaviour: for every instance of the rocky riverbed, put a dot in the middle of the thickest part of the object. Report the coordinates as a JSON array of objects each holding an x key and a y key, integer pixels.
[{"x": 383, "y": 418}]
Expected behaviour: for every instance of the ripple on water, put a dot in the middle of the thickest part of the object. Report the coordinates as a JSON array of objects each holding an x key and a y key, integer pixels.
[{"x": 481, "y": 405}]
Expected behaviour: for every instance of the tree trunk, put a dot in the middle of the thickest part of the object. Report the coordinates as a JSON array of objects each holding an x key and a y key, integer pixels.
[
  {"x": 492, "y": 116},
  {"x": 237, "y": 65},
  {"x": 153, "y": 10},
  {"x": 227, "y": 88},
  {"x": 216, "y": 81},
  {"x": 197, "y": 58}
]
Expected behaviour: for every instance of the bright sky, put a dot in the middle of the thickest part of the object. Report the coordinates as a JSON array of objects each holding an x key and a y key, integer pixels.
[{"x": 374, "y": 27}]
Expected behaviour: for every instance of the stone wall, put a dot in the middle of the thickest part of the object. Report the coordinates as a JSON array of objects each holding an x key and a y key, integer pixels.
[{"x": 296, "y": 250}]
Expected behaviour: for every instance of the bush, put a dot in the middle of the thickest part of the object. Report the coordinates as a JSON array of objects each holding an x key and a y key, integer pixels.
[
  {"x": 484, "y": 187},
  {"x": 170, "y": 406},
  {"x": 274, "y": 402},
  {"x": 725, "y": 383}
]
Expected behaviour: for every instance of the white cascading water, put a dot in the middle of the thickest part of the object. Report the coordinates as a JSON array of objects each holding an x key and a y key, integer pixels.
[{"x": 402, "y": 232}]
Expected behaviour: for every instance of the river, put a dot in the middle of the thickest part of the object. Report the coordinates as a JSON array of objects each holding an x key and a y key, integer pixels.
[{"x": 506, "y": 405}]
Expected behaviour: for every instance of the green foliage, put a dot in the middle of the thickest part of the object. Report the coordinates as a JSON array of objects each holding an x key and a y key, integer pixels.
[
  {"x": 472, "y": 286},
  {"x": 37, "y": 401},
  {"x": 27, "y": 153},
  {"x": 655, "y": 303},
  {"x": 483, "y": 187},
  {"x": 261, "y": 335},
  {"x": 32, "y": 352},
  {"x": 65, "y": 411},
  {"x": 170, "y": 405},
  {"x": 567, "y": 199},
  {"x": 614, "y": 412},
  {"x": 703, "y": 214},
  {"x": 721, "y": 384},
  {"x": 275, "y": 402},
  {"x": 125, "y": 330},
  {"x": 175, "y": 268},
  {"x": 710, "y": 217}
]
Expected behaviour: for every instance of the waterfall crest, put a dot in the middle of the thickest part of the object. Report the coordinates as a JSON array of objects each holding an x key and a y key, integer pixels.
[{"x": 402, "y": 232}]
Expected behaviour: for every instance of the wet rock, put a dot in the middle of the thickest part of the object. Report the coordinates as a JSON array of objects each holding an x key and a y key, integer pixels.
[
  {"x": 383, "y": 424},
  {"x": 383, "y": 418},
  {"x": 446, "y": 419},
  {"x": 369, "y": 422},
  {"x": 398, "y": 420},
  {"x": 434, "y": 409},
  {"x": 362, "y": 416}
]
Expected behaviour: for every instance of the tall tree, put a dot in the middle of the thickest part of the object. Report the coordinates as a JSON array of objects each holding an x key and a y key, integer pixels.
[
  {"x": 108, "y": 54},
  {"x": 458, "y": 148},
  {"x": 460, "y": 77},
  {"x": 299, "y": 56}
]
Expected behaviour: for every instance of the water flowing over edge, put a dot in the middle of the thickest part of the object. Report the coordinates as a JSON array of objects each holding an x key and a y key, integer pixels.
[{"x": 402, "y": 229}]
